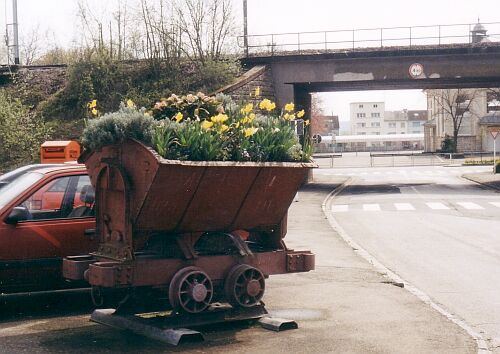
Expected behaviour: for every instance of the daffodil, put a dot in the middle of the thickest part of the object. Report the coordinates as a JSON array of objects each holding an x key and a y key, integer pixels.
[
  {"x": 223, "y": 128},
  {"x": 94, "y": 111},
  {"x": 219, "y": 118},
  {"x": 257, "y": 91},
  {"x": 289, "y": 116},
  {"x": 178, "y": 117},
  {"x": 130, "y": 103},
  {"x": 251, "y": 117},
  {"x": 250, "y": 131},
  {"x": 307, "y": 122},
  {"x": 92, "y": 104},
  {"x": 207, "y": 124},
  {"x": 300, "y": 113},
  {"x": 289, "y": 107},
  {"x": 267, "y": 105}
]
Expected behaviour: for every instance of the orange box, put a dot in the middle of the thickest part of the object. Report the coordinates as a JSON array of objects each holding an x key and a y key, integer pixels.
[{"x": 59, "y": 151}]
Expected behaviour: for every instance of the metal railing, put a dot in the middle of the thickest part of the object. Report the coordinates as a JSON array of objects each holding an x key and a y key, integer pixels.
[{"x": 351, "y": 39}]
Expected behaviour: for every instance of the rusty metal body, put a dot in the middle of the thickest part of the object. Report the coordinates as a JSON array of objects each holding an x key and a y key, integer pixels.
[{"x": 156, "y": 218}]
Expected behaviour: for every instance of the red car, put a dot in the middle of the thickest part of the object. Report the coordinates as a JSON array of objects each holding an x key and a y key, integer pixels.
[{"x": 45, "y": 215}]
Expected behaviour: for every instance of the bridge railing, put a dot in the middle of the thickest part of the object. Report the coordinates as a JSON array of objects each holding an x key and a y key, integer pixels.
[{"x": 352, "y": 39}]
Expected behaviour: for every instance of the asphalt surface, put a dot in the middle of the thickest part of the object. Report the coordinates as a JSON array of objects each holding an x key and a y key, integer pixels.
[
  {"x": 344, "y": 306},
  {"x": 435, "y": 230}
]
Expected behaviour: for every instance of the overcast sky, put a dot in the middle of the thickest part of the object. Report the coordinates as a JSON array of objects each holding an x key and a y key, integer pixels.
[{"x": 57, "y": 17}]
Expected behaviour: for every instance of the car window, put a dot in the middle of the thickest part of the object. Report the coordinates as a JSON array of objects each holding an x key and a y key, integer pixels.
[
  {"x": 61, "y": 198},
  {"x": 18, "y": 186}
]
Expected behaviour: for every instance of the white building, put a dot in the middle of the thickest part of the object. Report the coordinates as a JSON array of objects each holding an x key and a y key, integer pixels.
[
  {"x": 367, "y": 119},
  {"x": 371, "y": 119}
]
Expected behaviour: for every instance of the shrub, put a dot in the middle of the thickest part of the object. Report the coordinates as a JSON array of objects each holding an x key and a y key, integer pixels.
[
  {"x": 114, "y": 128},
  {"x": 21, "y": 133}
]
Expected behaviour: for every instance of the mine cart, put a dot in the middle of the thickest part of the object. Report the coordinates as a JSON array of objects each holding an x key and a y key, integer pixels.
[{"x": 196, "y": 232}]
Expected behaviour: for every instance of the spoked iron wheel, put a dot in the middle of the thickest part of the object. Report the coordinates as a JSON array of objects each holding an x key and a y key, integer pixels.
[
  {"x": 244, "y": 286},
  {"x": 190, "y": 290}
]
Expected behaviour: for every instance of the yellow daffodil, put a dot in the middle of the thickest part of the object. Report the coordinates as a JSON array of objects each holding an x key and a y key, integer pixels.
[
  {"x": 220, "y": 118},
  {"x": 289, "y": 107},
  {"x": 247, "y": 109},
  {"x": 237, "y": 125},
  {"x": 178, "y": 117},
  {"x": 207, "y": 124},
  {"x": 94, "y": 111},
  {"x": 223, "y": 128},
  {"x": 250, "y": 131},
  {"x": 92, "y": 104},
  {"x": 251, "y": 117},
  {"x": 267, "y": 105},
  {"x": 257, "y": 91},
  {"x": 300, "y": 113},
  {"x": 307, "y": 122},
  {"x": 289, "y": 116},
  {"x": 130, "y": 103}
]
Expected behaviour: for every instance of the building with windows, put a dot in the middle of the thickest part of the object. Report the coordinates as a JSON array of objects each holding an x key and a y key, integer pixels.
[
  {"x": 465, "y": 105},
  {"x": 371, "y": 119}
]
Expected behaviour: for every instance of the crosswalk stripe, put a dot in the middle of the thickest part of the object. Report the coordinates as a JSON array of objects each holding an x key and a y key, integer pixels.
[
  {"x": 470, "y": 206},
  {"x": 371, "y": 207},
  {"x": 497, "y": 204},
  {"x": 403, "y": 206},
  {"x": 437, "y": 206},
  {"x": 340, "y": 208}
]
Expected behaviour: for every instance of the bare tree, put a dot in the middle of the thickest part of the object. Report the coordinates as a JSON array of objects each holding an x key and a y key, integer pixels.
[
  {"x": 31, "y": 46},
  {"x": 455, "y": 103},
  {"x": 206, "y": 26}
]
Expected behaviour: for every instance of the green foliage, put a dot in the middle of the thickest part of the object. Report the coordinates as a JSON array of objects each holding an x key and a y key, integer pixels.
[
  {"x": 447, "y": 145},
  {"x": 21, "y": 133},
  {"x": 145, "y": 82},
  {"x": 114, "y": 128},
  {"x": 236, "y": 135}
]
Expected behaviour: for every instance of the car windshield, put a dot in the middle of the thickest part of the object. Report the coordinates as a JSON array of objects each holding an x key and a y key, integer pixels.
[{"x": 18, "y": 186}]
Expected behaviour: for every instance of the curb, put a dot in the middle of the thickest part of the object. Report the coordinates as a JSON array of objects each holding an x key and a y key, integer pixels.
[
  {"x": 481, "y": 183},
  {"x": 482, "y": 346}
]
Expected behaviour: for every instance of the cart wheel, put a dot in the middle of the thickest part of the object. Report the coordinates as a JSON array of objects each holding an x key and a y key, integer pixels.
[
  {"x": 97, "y": 296},
  {"x": 190, "y": 290},
  {"x": 244, "y": 286}
]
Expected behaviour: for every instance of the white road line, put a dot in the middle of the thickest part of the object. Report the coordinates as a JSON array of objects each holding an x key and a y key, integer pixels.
[
  {"x": 437, "y": 206},
  {"x": 403, "y": 206},
  {"x": 497, "y": 204},
  {"x": 470, "y": 206},
  {"x": 339, "y": 208},
  {"x": 371, "y": 207}
]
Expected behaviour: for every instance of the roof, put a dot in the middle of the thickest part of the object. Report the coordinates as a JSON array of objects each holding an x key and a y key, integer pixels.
[
  {"x": 57, "y": 143},
  {"x": 479, "y": 28},
  {"x": 491, "y": 119},
  {"x": 417, "y": 115},
  {"x": 61, "y": 167}
]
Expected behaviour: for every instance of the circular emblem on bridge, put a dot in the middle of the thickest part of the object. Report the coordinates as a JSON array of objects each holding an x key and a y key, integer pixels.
[{"x": 416, "y": 70}]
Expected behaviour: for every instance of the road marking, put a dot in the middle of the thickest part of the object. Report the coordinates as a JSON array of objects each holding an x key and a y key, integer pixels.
[
  {"x": 371, "y": 207},
  {"x": 403, "y": 206},
  {"x": 497, "y": 204},
  {"x": 338, "y": 208},
  {"x": 470, "y": 206},
  {"x": 437, "y": 206}
]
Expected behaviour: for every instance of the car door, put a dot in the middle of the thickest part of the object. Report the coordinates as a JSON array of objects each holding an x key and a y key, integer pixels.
[{"x": 51, "y": 231}]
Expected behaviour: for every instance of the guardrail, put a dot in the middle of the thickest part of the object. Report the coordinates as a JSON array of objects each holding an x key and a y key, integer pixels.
[{"x": 351, "y": 39}]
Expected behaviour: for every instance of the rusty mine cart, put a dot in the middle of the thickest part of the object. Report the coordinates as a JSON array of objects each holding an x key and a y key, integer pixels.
[{"x": 198, "y": 233}]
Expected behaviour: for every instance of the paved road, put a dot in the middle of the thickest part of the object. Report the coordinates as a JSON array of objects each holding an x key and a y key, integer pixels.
[{"x": 435, "y": 230}]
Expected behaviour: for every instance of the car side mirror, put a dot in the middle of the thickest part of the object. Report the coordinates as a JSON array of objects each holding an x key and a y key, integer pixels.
[{"x": 17, "y": 214}]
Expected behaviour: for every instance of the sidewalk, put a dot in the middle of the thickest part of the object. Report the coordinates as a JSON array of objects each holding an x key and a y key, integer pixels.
[{"x": 487, "y": 179}]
